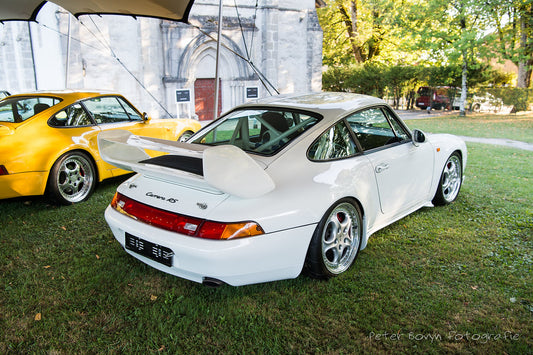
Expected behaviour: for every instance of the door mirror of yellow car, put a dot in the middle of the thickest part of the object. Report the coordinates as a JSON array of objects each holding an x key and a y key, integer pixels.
[{"x": 145, "y": 117}]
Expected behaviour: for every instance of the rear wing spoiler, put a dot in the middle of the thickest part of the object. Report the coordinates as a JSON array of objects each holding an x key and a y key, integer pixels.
[{"x": 226, "y": 168}]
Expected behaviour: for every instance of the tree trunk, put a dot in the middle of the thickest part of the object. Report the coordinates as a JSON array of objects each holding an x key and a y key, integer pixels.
[
  {"x": 464, "y": 86},
  {"x": 526, "y": 45},
  {"x": 524, "y": 74},
  {"x": 350, "y": 21}
]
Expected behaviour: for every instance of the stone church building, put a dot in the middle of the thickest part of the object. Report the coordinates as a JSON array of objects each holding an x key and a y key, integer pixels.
[{"x": 168, "y": 68}]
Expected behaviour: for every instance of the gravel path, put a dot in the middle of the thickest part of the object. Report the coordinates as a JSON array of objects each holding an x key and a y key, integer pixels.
[{"x": 499, "y": 141}]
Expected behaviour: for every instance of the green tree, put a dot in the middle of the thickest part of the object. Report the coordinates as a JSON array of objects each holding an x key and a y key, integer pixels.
[
  {"x": 513, "y": 20},
  {"x": 357, "y": 31},
  {"x": 451, "y": 32}
]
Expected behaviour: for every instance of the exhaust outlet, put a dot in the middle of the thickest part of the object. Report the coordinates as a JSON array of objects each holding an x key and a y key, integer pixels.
[{"x": 212, "y": 282}]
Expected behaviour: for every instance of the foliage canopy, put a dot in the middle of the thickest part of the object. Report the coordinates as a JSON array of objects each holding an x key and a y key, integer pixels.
[{"x": 457, "y": 33}]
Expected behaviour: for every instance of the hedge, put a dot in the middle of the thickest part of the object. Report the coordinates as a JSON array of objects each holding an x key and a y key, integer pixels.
[{"x": 402, "y": 81}]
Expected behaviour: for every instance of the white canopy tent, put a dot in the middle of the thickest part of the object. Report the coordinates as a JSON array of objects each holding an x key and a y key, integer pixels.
[
  {"x": 27, "y": 10},
  {"x": 174, "y": 10}
]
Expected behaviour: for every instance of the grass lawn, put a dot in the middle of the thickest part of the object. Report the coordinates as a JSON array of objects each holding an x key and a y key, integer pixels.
[
  {"x": 454, "y": 279},
  {"x": 516, "y": 127}
]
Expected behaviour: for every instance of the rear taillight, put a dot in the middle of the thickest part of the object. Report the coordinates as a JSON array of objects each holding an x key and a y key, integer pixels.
[
  {"x": 3, "y": 170},
  {"x": 216, "y": 230},
  {"x": 182, "y": 224}
]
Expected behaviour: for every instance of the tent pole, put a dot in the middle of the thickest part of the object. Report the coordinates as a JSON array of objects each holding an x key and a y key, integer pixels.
[
  {"x": 68, "y": 53},
  {"x": 33, "y": 57},
  {"x": 217, "y": 84}
]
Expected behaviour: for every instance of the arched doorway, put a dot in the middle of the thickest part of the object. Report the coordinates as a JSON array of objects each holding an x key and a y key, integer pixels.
[{"x": 196, "y": 68}]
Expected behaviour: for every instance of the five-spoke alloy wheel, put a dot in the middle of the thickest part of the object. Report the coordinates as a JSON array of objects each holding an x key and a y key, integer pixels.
[
  {"x": 336, "y": 241},
  {"x": 72, "y": 178},
  {"x": 450, "y": 181}
]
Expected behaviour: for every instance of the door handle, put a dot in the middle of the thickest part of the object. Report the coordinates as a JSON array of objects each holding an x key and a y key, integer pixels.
[{"x": 381, "y": 167}]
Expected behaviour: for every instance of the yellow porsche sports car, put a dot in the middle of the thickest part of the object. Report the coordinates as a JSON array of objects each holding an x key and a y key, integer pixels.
[{"x": 48, "y": 141}]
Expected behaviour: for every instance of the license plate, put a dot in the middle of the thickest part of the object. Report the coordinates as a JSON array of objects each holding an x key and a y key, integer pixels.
[{"x": 150, "y": 250}]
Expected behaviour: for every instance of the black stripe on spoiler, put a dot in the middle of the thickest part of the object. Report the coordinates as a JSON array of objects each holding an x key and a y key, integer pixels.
[{"x": 178, "y": 162}]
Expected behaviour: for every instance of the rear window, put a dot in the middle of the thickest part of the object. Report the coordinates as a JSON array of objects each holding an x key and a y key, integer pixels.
[
  {"x": 260, "y": 131},
  {"x": 19, "y": 109}
]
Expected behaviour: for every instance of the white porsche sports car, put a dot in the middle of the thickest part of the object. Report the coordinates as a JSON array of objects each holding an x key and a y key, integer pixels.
[{"x": 277, "y": 185}]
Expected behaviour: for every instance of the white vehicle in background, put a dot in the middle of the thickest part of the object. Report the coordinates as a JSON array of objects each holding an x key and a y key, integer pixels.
[
  {"x": 485, "y": 103},
  {"x": 277, "y": 185}
]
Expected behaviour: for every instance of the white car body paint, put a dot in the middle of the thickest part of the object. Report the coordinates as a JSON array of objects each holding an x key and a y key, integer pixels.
[{"x": 292, "y": 194}]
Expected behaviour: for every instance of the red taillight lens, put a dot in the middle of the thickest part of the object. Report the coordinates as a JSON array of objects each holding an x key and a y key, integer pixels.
[
  {"x": 156, "y": 217},
  {"x": 3, "y": 170},
  {"x": 183, "y": 224}
]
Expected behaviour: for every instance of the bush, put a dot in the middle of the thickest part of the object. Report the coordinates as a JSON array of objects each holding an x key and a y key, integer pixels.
[{"x": 402, "y": 81}]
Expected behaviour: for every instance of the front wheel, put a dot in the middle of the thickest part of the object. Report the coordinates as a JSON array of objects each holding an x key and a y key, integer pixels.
[
  {"x": 450, "y": 181},
  {"x": 72, "y": 178},
  {"x": 336, "y": 241},
  {"x": 185, "y": 135}
]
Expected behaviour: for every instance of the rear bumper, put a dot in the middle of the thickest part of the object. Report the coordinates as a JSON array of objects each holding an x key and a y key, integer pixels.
[
  {"x": 269, "y": 257},
  {"x": 23, "y": 184}
]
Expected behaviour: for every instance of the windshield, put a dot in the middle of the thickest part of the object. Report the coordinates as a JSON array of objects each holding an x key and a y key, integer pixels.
[
  {"x": 261, "y": 131},
  {"x": 18, "y": 109}
]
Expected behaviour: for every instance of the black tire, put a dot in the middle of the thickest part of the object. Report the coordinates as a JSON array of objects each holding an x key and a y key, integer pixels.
[
  {"x": 336, "y": 241},
  {"x": 72, "y": 178},
  {"x": 450, "y": 181}
]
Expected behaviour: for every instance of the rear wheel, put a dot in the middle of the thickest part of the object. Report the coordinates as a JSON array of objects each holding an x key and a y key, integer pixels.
[
  {"x": 336, "y": 241},
  {"x": 450, "y": 181},
  {"x": 72, "y": 178}
]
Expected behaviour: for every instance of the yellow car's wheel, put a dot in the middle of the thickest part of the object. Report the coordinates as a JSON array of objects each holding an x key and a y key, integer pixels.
[
  {"x": 186, "y": 135},
  {"x": 72, "y": 178}
]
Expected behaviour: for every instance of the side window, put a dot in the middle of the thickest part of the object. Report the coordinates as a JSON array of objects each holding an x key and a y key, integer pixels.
[
  {"x": 18, "y": 109},
  {"x": 372, "y": 128},
  {"x": 399, "y": 129},
  {"x": 107, "y": 109},
  {"x": 72, "y": 116},
  {"x": 132, "y": 113},
  {"x": 335, "y": 143}
]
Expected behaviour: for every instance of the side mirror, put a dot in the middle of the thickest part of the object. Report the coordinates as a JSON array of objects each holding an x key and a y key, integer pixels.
[
  {"x": 418, "y": 137},
  {"x": 145, "y": 117}
]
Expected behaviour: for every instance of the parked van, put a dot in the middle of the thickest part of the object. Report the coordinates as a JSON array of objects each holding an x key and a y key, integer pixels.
[{"x": 435, "y": 97}]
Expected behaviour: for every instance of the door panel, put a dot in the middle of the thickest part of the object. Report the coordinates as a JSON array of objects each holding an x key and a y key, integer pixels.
[
  {"x": 403, "y": 175},
  {"x": 204, "y": 99},
  {"x": 402, "y": 170}
]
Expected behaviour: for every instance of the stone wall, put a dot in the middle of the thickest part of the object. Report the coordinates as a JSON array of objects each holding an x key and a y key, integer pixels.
[{"x": 274, "y": 46}]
